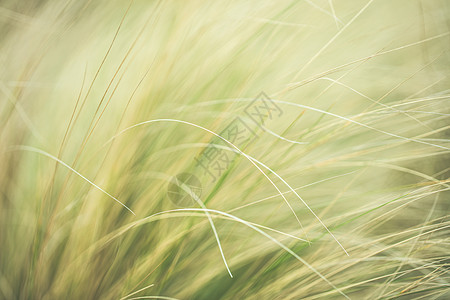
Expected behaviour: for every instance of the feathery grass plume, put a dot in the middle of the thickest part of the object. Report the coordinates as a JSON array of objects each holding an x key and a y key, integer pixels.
[{"x": 224, "y": 149}]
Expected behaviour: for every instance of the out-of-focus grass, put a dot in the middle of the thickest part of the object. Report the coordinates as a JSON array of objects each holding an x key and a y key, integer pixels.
[{"x": 361, "y": 135}]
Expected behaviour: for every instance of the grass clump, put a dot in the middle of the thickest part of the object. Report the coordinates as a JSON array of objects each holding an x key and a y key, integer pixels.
[{"x": 224, "y": 150}]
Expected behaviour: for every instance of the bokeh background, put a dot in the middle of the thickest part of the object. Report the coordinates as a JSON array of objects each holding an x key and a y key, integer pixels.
[{"x": 104, "y": 103}]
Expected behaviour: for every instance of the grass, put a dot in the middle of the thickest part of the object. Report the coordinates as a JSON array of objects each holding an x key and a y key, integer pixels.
[{"x": 323, "y": 126}]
